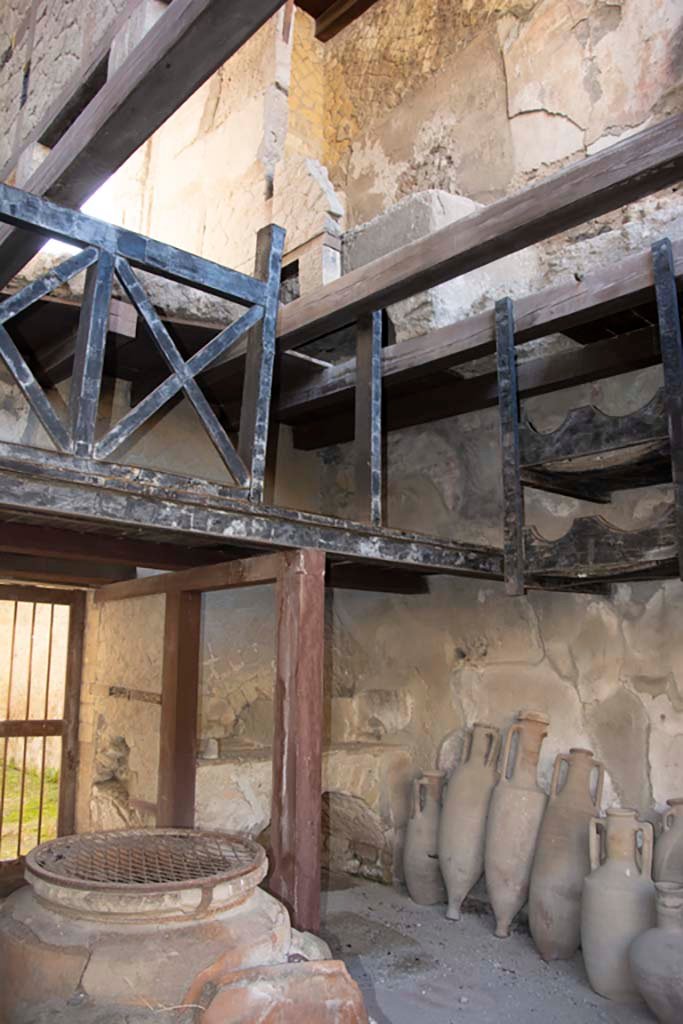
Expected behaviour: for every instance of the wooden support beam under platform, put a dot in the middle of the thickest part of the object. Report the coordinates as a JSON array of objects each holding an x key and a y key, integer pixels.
[
  {"x": 50, "y": 542},
  {"x": 66, "y": 572},
  {"x": 41, "y": 483},
  {"x": 190, "y": 41},
  {"x": 297, "y": 740},
  {"x": 649, "y": 160},
  {"x": 179, "y": 703}
]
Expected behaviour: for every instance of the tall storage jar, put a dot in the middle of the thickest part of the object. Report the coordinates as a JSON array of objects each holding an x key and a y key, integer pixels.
[
  {"x": 668, "y": 862},
  {"x": 657, "y": 957},
  {"x": 515, "y": 816},
  {"x": 562, "y": 858},
  {"x": 618, "y": 901},
  {"x": 420, "y": 855},
  {"x": 463, "y": 818}
]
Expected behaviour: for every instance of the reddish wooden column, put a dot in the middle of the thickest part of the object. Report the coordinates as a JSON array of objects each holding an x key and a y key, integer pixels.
[
  {"x": 179, "y": 697},
  {"x": 297, "y": 741}
]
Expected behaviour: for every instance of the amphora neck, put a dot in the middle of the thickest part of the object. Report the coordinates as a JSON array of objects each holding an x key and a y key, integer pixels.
[{"x": 669, "y": 906}]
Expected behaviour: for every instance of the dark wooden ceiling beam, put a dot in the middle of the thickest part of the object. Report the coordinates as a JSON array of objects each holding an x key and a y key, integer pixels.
[
  {"x": 190, "y": 41},
  {"x": 49, "y": 542},
  {"x": 337, "y": 15},
  {"x": 649, "y": 160},
  {"x": 65, "y": 572}
]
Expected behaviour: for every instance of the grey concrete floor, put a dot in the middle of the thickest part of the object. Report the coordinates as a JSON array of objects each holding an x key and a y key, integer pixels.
[{"x": 416, "y": 967}]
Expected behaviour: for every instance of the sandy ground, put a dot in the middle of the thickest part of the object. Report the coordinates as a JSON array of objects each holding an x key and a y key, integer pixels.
[{"x": 416, "y": 967}]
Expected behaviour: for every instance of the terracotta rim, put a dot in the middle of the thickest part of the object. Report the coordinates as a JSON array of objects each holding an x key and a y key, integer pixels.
[
  {"x": 146, "y": 860},
  {"x": 675, "y": 801},
  {"x": 533, "y": 716},
  {"x": 580, "y": 750}
]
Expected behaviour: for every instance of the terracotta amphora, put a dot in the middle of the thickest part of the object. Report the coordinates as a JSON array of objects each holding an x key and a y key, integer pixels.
[
  {"x": 562, "y": 858},
  {"x": 657, "y": 957},
  {"x": 515, "y": 814},
  {"x": 420, "y": 855},
  {"x": 668, "y": 861},
  {"x": 618, "y": 902},
  {"x": 463, "y": 819}
]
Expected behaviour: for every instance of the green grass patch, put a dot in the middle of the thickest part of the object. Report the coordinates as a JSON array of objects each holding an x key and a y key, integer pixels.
[{"x": 9, "y": 839}]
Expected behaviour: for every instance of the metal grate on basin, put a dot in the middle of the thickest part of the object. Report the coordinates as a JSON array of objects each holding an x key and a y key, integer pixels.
[{"x": 145, "y": 860}]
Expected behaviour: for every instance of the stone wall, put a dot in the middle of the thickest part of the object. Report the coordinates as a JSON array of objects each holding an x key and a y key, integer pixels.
[{"x": 478, "y": 98}]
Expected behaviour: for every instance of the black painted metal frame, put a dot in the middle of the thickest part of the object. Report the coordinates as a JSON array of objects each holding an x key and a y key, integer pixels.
[
  {"x": 79, "y": 481},
  {"x": 593, "y": 547},
  {"x": 110, "y": 252}
]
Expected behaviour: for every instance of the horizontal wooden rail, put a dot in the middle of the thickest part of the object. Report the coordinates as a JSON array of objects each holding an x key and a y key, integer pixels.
[
  {"x": 620, "y": 286},
  {"x": 32, "y": 727},
  {"x": 649, "y": 160},
  {"x": 601, "y": 359},
  {"x": 246, "y": 572},
  {"x": 31, "y": 212}
]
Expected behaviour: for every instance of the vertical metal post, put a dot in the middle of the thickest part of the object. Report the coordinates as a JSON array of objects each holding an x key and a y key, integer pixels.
[
  {"x": 669, "y": 317},
  {"x": 91, "y": 341},
  {"x": 508, "y": 410},
  {"x": 258, "y": 374},
  {"x": 368, "y": 419}
]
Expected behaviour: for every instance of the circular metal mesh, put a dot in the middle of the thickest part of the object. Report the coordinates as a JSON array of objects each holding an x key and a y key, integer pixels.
[{"x": 145, "y": 859}]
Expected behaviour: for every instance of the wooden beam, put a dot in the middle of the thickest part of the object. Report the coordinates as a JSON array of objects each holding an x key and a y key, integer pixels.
[
  {"x": 47, "y": 541},
  {"x": 260, "y": 362},
  {"x": 297, "y": 740},
  {"x": 538, "y": 376},
  {"x": 647, "y": 161},
  {"x": 246, "y": 572},
  {"x": 508, "y": 412},
  {"x": 44, "y": 595},
  {"x": 185, "y": 46},
  {"x": 179, "y": 702},
  {"x": 65, "y": 572},
  {"x": 368, "y": 421},
  {"x": 624, "y": 285},
  {"x": 66, "y": 820},
  {"x": 337, "y": 16},
  {"x": 355, "y": 576},
  {"x": 32, "y": 727}
]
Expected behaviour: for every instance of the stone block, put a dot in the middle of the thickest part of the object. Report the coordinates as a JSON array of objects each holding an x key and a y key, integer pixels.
[
  {"x": 30, "y": 159},
  {"x": 414, "y": 217}
]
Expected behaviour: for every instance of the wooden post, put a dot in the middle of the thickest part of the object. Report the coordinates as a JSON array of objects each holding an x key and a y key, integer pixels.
[
  {"x": 297, "y": 742},
  {"x": 66, "y": 819},
  {"x": 179, "y": 698},
  {"x": 368, "y": 420},
  {"x": 508, "y": 411}
]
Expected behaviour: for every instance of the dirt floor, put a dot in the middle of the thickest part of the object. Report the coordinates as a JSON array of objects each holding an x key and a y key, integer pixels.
[{"x": 416, "y": 967}]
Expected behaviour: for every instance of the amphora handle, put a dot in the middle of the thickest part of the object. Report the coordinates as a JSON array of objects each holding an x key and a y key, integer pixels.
[
  {"x": 667, "y": 821},
  {"x": 600, "y": 784},
  {"x": 418, "y": 799},
  {"x": 557, "y": 767},
  {"x": 596, "y": 829},
  {"x": 648, "y": 833},
  {"x": 492, "y": 749},
  {"x": 516, "y": 727}
]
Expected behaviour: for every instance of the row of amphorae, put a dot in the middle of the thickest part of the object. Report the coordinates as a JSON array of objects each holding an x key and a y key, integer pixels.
[{"x": 588, "y": 879}]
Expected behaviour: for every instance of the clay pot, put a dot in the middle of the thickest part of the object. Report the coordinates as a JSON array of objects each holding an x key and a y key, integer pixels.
[
  {"x": 420, "y": 856},
  {"x": 656, "y": 957},
  {"x": 618, "y": 902},
  {"x": 562, "y": 858},
  {"x": 515, "y": 816},
  {"x": 463, "y": 819},
  {"x": 668, "y": 861}
]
